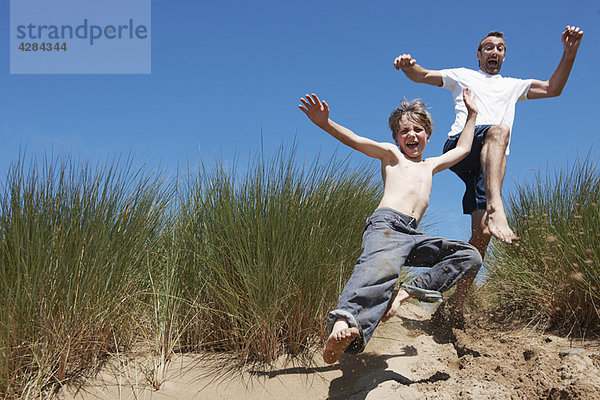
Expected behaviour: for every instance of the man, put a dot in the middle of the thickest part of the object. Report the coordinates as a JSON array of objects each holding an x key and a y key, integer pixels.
[{"x": 483, "y": 169}]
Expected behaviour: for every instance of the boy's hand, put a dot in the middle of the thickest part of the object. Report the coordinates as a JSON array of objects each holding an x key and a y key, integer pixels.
[
  {"x": 469, "y": 100},
  {"x": 404, "y": 61},
  {"x": 571, "y": 39},
  {"x": 315, "y": 109}
]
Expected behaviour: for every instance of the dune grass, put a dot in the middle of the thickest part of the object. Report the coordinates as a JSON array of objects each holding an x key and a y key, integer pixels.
[
  {"x": 74, "y": 251},
  {"x": 553, "y": 275},
  {"x": 98, "y": 258},
  {"x": 268, "y": 248}
]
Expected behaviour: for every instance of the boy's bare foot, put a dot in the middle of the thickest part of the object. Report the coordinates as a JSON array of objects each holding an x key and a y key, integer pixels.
[
  {"x": 498, "y": 226},
  {"x": 339, "y": 339},
  {"x": 398, "y": 297}
]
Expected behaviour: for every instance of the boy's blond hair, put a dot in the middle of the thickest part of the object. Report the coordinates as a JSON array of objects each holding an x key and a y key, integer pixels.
[{"x": 414, "y": 110}]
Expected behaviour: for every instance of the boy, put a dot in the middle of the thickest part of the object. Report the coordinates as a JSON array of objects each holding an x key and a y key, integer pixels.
[{"x": 390, "y": 239}]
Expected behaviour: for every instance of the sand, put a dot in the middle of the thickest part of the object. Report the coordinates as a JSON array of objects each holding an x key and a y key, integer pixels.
[{"x": 404, "y": 360}]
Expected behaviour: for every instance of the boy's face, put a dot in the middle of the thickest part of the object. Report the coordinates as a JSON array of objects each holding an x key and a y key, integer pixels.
[
  {"x": 491, "y": 56},
  {"x": 411, "y": 137}
]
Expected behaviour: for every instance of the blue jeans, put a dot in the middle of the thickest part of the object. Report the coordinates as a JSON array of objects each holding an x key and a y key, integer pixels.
[{"x": 390, "y": 240}]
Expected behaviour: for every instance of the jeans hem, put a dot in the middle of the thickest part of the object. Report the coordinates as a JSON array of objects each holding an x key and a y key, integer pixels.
[{"x": 425, "y": 295}]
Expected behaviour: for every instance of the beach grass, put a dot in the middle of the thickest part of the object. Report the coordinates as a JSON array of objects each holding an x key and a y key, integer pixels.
[
  {"x": 243, "y": 260},
  {"x": 102, "y": 259},
  {"x": 267, "y": 250},
  {"x": 75, "y": 241},
  {"x": 553, "y": 274}
]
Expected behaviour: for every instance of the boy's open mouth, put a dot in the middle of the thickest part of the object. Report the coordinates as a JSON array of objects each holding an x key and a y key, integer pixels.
[{"x": 412, "y": 145}]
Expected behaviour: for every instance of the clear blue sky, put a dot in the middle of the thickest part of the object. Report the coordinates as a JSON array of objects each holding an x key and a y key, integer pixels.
[{"x": 225, "y": 72}]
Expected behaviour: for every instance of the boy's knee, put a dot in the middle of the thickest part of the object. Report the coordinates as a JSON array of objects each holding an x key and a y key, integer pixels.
[{"x": 475, "y": 259}]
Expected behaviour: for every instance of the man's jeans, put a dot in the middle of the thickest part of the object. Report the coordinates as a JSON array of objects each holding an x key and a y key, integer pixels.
[{"x": 389, "y": 242}]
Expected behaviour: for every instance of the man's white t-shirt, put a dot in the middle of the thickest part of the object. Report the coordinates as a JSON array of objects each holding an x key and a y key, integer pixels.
[{"x": 496, "y": 96}]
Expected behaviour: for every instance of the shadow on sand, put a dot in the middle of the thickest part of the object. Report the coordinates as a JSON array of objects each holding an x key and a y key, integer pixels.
[
  {"x": 364, "y": 372},
  {"x": 360, "y": 374}
]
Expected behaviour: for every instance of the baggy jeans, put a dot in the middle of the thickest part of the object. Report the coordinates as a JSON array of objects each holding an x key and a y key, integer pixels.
[{"x": 390, "y": 240}]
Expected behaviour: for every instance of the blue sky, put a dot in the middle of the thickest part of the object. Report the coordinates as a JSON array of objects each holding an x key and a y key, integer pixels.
[{"x": 224, "y": 73}]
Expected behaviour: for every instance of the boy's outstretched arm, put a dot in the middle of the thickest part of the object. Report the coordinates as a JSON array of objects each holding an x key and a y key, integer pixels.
[
  {"x": 318, "y": 112},
  {"x": 463, "y": 147},
  {"x": 415, "y": 72},
  {"x": 571, "y": 39}
]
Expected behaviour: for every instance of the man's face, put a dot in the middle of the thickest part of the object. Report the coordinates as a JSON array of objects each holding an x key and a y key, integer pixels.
[
  {"x": 411, "y": 137},
  {"x": 491, "y": 56}
]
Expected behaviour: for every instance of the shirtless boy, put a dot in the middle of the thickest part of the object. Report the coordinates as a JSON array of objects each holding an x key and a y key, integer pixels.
[{"x": 390, "y": 239}]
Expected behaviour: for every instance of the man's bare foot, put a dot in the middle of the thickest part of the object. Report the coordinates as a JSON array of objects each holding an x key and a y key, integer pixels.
[
  {"x": 498, "y": 226},
  {"x": 398, "y": 297},
  {"x": 339, "y": 339}
]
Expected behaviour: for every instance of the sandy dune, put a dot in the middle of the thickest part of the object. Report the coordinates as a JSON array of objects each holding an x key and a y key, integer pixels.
[{"x": 405, "y": 360}]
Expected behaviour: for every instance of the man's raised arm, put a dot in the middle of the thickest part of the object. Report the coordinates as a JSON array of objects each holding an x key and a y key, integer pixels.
[
  {"x": 415, "y": 72},
  {"x": 571, "y": 39}
]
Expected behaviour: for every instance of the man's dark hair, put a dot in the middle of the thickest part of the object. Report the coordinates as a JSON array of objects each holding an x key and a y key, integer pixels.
[{"x": 492, "y": 33}]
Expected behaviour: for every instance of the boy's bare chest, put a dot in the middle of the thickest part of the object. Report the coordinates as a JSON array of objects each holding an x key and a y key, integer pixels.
[{"x": 408, "y": 175}]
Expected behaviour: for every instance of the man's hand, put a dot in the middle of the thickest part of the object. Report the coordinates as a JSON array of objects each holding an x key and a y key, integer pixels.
[
  {"x": 404, "y": 61},
  {"x": 469, "y": 100},
  {"x": 571, "y": 39},
  {"x": 316, "y": 110},
  {"x": 417, "y": 73}
]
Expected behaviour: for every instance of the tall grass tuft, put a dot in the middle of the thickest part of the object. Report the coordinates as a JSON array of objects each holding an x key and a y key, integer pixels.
[
  {"x": 99, "y": 258},
  {"x": 74, "y": 242},
  {"x": 554, "y": 272},
  {"x": 268, "y": 249}
]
